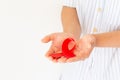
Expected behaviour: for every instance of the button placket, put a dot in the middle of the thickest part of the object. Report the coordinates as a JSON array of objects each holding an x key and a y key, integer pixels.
[
  {"x": 99, "y": 9},
  {"x": 98, "y": 19},
  {"x": 95, "y": 30}
]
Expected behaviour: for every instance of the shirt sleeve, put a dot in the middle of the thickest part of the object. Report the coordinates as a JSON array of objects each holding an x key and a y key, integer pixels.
[{"x": 69, "y": 3}]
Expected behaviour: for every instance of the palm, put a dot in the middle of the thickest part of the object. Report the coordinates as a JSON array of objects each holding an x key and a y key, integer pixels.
[
  {"x": 57, "y": 40},
  {"x": 83, "y": 48}
]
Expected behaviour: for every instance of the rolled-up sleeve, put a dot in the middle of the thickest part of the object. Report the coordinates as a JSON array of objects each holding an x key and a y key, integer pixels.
[{"x": 69, "y": 3}]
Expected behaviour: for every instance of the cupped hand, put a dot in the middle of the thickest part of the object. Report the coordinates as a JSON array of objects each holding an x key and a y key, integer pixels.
[
  {"x": 57, "y": 40},
  {"x": 84, "y": 46}
]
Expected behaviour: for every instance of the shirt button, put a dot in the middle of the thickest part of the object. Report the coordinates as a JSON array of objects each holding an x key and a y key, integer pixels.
[
  {"x": 95, "y": 29},
  {"x": 99, "y": 9}
]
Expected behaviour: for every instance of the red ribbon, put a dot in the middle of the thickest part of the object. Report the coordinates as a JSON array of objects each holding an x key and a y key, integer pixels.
[{"x": 65, "y": 50}]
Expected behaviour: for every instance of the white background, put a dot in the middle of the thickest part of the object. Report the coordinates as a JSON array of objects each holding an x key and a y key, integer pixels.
[{"x": 22, "y": 25}]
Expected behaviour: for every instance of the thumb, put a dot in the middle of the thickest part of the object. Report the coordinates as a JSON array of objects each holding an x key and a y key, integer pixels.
[{"x": 47, "y": 38}]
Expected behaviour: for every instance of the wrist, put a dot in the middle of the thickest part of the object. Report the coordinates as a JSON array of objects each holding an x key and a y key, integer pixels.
[
  {"x": 91, "y": 39},
  {"x": 75, "y": 37}
]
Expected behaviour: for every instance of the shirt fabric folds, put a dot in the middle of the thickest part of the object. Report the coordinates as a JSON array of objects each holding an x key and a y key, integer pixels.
[{"x": 96, "y": 16}]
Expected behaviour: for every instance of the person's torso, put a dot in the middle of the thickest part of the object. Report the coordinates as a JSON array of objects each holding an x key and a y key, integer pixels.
[{"x": 97, "y": 16}]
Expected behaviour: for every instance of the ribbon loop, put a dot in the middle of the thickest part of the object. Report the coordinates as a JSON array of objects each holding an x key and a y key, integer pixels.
[{"x": 66, "y": 52}]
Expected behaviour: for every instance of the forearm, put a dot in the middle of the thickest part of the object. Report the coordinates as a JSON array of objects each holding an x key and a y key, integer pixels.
[
  {"x": 70, "y": 21},
  {"x": 109, "y": 39}
]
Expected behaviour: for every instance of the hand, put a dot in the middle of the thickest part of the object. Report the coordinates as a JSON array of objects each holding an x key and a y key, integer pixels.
[
  {"x": 83, "y": 49},
  {"x": 57, "y": 40}
]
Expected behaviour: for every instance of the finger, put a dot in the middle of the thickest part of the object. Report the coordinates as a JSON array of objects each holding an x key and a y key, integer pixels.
[
  {"x": 54, "y": 60},
  {"x": 52, "y": 50},
  {"x": 86, "y": 55},
  {"x": 62, "y": 60},
  {"x": 47, "y": 38},
  {"x": 72, "y": 59},
  {"x": 83, "y": 55},
  {"x": 50, "y": 58},
  {"x": 79, "y": 56},
  {"x": 48, "y": 53}
]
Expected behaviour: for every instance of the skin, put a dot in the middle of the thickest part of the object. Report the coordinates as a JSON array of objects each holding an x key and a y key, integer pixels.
[{"x": 84, "y": 45}]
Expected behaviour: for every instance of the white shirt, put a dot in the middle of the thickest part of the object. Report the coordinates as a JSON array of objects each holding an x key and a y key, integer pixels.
[{"x": 96, "y": 16}]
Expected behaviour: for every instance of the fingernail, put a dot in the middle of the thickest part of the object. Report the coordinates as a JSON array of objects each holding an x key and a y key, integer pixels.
[
  {"x": 68, "y": 61},
  {"x": 42, "y": 40},
  {"x": 50, "y": 58}
]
